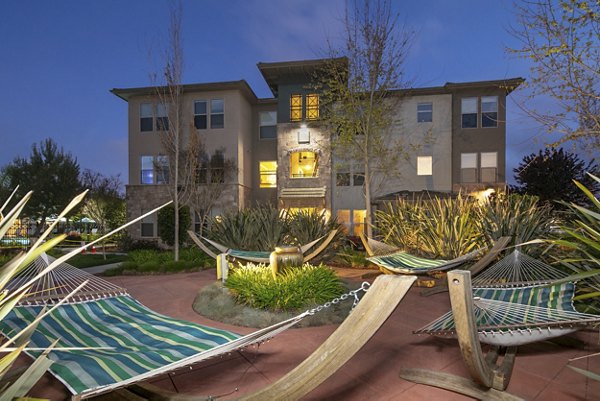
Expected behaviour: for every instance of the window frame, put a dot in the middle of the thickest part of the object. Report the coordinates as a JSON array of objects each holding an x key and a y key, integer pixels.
[
  {"x": 429, "y": 112},
  {"x": 312, "y": 106},
  {"x": 315, "y": 168},
  {"x": 215, "y": 114},
  {"x": 261, "y": 125},
  {"x": 489, "y": 116},
  {"x": 296, "y": 106},
  {"x": 463, "y": 113},
  {"x": 144, "y": 117},
  {"x": 266, "y": 173},
  {"x": 425, "y": 170},
  {"x": 197, "y": 115}
]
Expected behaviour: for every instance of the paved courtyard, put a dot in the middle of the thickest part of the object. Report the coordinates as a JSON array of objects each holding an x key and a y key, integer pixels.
[{"x": 540, "y": 371}]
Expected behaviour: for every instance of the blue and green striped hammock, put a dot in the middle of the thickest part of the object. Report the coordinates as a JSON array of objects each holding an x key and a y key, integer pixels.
[
  {"x": 404, "y": 263},
  {"x": 123, "y": 341},
  {"x": 520, "y": 315}
]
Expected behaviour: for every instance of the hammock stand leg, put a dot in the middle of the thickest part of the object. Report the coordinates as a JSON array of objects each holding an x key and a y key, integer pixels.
[
  {"x": 489, "y": 379},
  {"x": 484, "y": 370}
]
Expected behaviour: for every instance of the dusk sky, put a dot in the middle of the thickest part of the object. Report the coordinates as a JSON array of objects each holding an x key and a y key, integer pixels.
[{"x": 60, "y": 59}]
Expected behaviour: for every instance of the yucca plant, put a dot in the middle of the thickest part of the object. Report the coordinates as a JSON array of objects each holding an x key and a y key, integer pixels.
[
  {"x": 20, "y": 385},
  {"x": 438, "y": 227},
  {"x": 522, "y": 217}
]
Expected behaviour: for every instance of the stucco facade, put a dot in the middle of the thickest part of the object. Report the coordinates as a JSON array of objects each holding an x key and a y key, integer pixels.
[{"x": 449, "y": 138}]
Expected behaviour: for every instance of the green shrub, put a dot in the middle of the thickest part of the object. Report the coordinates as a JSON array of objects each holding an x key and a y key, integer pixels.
[
  {"x": 352, "y": 258},
  {"x": 294, "y": 288},
  {"x": 166, "y": 222}
]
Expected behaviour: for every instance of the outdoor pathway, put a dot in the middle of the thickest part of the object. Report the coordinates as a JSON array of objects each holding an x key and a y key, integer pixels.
[{"x": 540, "y": 371}]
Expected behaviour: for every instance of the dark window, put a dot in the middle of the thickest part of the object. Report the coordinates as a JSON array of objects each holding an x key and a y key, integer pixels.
[
  {"x": 201, "y": 176},
  {"x": 489, "y": 111},
  {"x": 342, "y": 179},
  {"x": 200, "y": 119},
  {"x": 469, "y": 112},
  {"x": 146, "y": 117},
  {"x": 217, "y": 113},
  {"x": 425, "y": 112},
  {"x": 162, "y": 119},
  {"x": 268, "y": 125},
  {"x": 162, "y": 169},
  {"x": 217, "y": 168},
  {"x": 358, "y": 180}
]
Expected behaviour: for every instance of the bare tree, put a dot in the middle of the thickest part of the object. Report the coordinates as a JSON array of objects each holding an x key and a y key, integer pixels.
[
  {"x": 179, "y": 163},
  {"x": 562, "y": 40},
  {"x": 358, "y": 83}
]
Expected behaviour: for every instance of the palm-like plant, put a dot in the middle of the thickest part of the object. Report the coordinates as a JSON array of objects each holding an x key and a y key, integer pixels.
[{"x": 11, "y": 349}]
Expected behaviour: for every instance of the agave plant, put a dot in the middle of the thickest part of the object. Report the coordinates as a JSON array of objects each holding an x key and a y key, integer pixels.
[{"x": 22, "y": 384}]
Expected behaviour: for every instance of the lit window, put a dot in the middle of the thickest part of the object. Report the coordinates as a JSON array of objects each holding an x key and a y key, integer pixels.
[
  {"x": 469, "y": 112},
  {"x": 489, "y": 166},
  {"x": 267, "y": 124},
  {"x": 145, "y": 117},
  {"x": 162, "y": 117},
  {"x": 304, "y": 164},
  {"x": 296, "y": 108},
  {"x": 352, "y": 221},
  {"x": 312, "y": 106},
  {"x": 268, "y": 174},
  {"x": 424, "y": 112},
  {"x": 217, "y": 113},
  {"x": 147, "y": 170},
  {"x": 200, "y": 119},
  {"x": 468, "y": 167},
  {"x": 489, "y": 111},
  {"x": 424, "y": 165}
]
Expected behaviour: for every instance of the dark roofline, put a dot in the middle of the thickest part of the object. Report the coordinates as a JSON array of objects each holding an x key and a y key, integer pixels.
[
  {"x": 273, "y": 70},
  {"x": 241, "y": 85},
  {"x": 508, "y": 84}
]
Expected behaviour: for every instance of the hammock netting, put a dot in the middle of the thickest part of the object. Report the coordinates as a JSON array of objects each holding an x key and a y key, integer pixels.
[
  {"x": 519, "y": 315},
  {"x": 516, "y": 268},
  {"x": 127, "y": 342}
]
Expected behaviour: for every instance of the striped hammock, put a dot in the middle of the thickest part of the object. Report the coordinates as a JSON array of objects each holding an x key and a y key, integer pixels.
[
  {"x": 519, "y": 315},
  {"x": 405, "y": 263},
  {"x": 129, "y": 342}
]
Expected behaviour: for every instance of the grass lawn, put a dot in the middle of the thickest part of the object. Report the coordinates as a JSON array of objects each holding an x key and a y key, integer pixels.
[{"x": 90, "y": 260}]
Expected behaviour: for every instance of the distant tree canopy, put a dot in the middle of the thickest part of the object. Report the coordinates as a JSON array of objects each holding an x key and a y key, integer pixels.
[
  {"x": 549, "y": 175},
  {"x": 53, "y": 176},
  {"x": 105, "y": 203}
]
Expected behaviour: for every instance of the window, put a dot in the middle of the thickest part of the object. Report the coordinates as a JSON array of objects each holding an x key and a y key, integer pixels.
[
  {"x": 304, "y": 164},
  {"x": 217, "y": 168},
  {"x": 217, "y": 113},
  {"x": 312, "y": 106},
  {"x": 202, "y": 174},
  {"x": 469, "y": 112},
  {"x": 424, "y": 165},
  {"x": 468, "y": 167},
  {"x": 489, "y": 111},
  {"x": 268, "y": 174},
  {"x": 348, "y": 174},
  {"x": 267, "y": 124},
  {"x": 295, "y": 107},
  {"x": 147, "y": 225},
  {"x": 489, "y": 166},
  {"x": 353, "y": 221},
  {"x": 147, "y": 171},
  {"x": 162, "y": 117},
  {"x": 162, "y": 169},
  {"x": 200, "y": 119},
  {"x": 146, "y": 117},
  {"x": 424, "y": 112}
]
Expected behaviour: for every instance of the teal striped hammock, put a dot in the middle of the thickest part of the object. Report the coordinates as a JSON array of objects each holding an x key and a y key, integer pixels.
[
  {"x": 519, "y": 315},
  {"x": 404, "y": 263},
  {"x": 123, "y": 341}
]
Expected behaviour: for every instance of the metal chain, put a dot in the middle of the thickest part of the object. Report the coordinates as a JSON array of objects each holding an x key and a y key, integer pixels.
[{"x": 363, "y": 288}]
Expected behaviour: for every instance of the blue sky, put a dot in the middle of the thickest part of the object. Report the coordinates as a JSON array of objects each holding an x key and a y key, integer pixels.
[{"x": 60, "y": 58}]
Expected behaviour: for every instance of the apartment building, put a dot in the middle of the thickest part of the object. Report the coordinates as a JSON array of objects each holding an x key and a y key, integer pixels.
[{"x": 455, "y": 136}]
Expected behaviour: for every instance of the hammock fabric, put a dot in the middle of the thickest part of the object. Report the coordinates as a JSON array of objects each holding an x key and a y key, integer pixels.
[
  {"x": 519, "y": 315},
  {"x": 132, "y": 343},
  {"x": 405, "y": 263}
]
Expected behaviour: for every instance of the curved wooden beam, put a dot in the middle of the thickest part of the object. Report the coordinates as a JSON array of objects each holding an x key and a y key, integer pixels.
[
  {"x": 321, "y": 247},
  {"x": 201, "y": 245},
  {"x": 372, "y": 311}
]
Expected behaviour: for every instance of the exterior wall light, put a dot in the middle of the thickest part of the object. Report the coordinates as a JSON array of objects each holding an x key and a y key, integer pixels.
[{"x": 303, "y": 134}]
